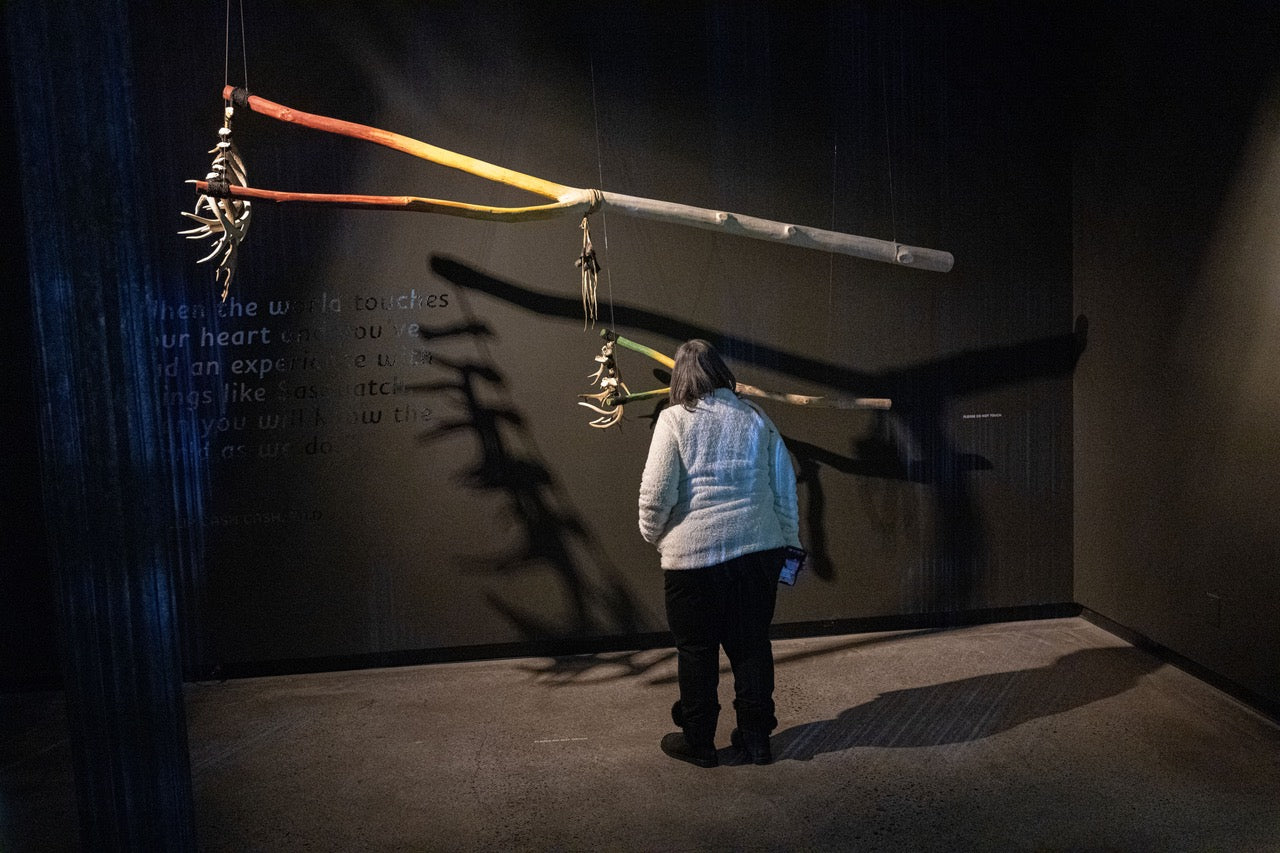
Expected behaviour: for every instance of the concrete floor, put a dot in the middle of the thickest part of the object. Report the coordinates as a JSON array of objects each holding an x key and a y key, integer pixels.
[{"x": 1049, "y": 736}]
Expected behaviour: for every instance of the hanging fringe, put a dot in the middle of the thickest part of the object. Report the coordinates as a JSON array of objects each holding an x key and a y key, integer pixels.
[{"x": 590, "y": 269}]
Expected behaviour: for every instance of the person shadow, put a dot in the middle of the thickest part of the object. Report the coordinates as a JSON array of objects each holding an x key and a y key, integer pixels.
[{"x": 968, "y": 709}]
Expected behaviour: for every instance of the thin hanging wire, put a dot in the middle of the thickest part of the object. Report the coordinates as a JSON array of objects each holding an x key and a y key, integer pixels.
[
  {"x": 888, "y": 144},
  {"x": 831, "y": 256},
  {"x": 244, "y": 47},
  {"x": 604, "y": 216},
  {"x": 832, "y": 30},
  {"x": 226, "y": 48}
]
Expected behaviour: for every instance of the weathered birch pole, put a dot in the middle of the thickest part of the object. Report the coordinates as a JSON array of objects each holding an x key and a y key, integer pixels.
[{"x": 756, "y": 228}]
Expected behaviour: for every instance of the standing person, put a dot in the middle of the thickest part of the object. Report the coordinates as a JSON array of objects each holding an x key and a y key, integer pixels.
[{"x": 718, "y": 500}]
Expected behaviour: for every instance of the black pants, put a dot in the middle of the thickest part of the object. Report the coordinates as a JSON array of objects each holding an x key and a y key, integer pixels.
[{"x": 730, "y": 604}]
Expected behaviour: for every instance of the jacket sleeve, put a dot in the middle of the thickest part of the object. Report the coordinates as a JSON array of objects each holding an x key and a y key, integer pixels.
[
  {"x": 659, "y": 485},
  {"x": 783, "y": 477}
]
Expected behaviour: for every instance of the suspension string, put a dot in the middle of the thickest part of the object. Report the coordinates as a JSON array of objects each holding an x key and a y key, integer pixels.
[
  {"x": 831, "y": 256},
  {"x": 888, "y": 146},
  {"x": 226, "y": 48},
  {"x": 604, "y": 216},
  {"x": 244, "y": 48}
]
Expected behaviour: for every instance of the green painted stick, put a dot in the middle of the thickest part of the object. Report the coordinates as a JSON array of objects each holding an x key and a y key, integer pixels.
[
  {"x": 661, "y": 358},
  {"x": 827, "y": 402}
]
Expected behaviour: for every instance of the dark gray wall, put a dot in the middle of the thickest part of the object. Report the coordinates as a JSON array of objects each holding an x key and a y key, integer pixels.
[
  {"x": 1177, "y": 265},
  {"x": 470, "y": 504}
]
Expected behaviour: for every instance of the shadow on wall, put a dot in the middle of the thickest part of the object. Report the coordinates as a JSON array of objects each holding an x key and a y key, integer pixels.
[
  {"x": 552, "y": 534},
  {"x": 971, "y": 708},
  {"x": 884, "y": 452},
  {"x": 909, "y": 443}
]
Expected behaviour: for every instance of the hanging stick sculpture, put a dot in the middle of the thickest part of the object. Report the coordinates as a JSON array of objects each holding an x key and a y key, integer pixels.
[
  {"x": 614, "y": 394},
  {"x": 565, "y": 201}
]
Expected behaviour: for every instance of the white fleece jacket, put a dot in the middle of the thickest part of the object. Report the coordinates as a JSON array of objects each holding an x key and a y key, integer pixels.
[{"x": 717, "y": 484}]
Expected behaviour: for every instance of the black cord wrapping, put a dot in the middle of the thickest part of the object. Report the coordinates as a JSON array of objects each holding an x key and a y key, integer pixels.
[{"x": 590, "y": 268}]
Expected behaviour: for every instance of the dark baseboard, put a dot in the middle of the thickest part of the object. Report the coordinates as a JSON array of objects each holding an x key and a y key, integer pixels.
[
  {"x": 1264, "y": 705},
  {"x": 567, "y": 646},
  {"x": 557, "y": 647},
  {"x": 924, "y": 621}
]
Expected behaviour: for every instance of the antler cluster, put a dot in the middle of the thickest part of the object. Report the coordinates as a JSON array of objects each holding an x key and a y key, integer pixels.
[
  {"x": 612, "y": 389},
  {"x": 227, "y": 218}
]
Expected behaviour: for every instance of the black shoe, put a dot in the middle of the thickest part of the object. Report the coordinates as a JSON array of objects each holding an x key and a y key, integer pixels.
[
  {"x": 754, "y": 744},
  {"x": 680, "y": 749}
]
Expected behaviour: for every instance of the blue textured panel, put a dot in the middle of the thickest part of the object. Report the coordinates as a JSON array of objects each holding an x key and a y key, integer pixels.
[{"x": 119, "y": 482}]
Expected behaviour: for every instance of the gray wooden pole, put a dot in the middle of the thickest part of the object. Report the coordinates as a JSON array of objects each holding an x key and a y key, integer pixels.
[{"x": 107, "y": 479}]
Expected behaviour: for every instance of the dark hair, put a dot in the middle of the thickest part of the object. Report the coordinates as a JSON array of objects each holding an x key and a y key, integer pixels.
[{"x": 699, "y": 370}]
